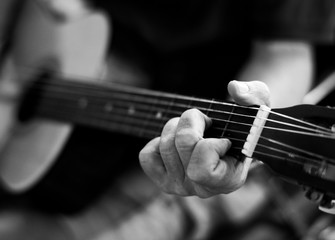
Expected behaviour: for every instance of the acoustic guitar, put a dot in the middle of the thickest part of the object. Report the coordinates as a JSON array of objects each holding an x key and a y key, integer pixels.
[{"x": 297, "y": 142}]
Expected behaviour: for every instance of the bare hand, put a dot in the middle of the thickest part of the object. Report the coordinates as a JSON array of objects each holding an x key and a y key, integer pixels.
[{"x": 182, "y": 162}]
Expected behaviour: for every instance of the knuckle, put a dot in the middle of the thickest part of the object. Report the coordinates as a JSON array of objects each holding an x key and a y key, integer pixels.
[
  {"x": 166, "y": 139},
  {"x": 166, "y": 144},
  {"x": 261, "y": 92},
  {"x": 187, "y": 117},
  {"x": 171, "y": 124},
  {"x": 186, "y": 138},
  {"x": 191, "y": 113}
]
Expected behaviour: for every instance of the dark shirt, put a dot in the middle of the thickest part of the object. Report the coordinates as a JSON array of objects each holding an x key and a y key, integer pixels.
[{"x": 195, "y": 47}]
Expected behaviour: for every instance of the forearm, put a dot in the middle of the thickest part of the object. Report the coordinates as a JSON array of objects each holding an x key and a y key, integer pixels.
[{"x": 286, "y": 67}]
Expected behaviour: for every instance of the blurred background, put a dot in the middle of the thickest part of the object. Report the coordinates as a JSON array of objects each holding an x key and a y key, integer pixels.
[{"x": 65, "y": 181}]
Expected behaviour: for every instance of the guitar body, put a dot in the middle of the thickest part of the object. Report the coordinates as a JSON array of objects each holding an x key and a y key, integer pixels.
[{"x": 70, "y": 49}]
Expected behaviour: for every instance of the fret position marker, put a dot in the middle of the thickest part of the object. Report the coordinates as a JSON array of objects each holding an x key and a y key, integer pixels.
[
  {"x": 108, "y": 107},
  {"x": 82, "y": 102},
  {"x": 158, "y": 115},
  {"x": 131, "y": 110}
]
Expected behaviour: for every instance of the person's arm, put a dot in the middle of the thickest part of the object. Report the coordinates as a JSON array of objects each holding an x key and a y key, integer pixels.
[{"x": 286, "y": 67}]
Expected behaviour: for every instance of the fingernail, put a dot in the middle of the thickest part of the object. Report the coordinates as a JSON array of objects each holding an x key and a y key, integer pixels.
[{"x": 242, "y": 87}]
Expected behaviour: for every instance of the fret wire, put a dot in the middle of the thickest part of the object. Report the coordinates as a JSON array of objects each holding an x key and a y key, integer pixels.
[
  {"x": 138, "y": 92},
  {"x": 147, "y": 119},
  {"x": 318, "y": 126},
  {"x": 152, "y": 133},
  {"x": 167, "y": 111},
  {"x": 327, "y": 132},
  {"x": 141, "y": 114},
  {"x": 147, "y": 100},
  {"x": 137, "y": 100},
  {"x": 155, "y": 133},
  {"x": 117, "y": 110},
  {"x": 159, "y": 116},
  {"x": 175, "y": 105},
  {"x": 94, "y": 119},
  {"x": 248, "y": 116},
  {"x": 145, "y": 116},
  {"x": 120, "y": 113},
  {"x": 302, "y": 132},
  {"x": 57, "y": 81},
  {"x": 189, "y": 105},
  {"x": 209, "y": 108},
  {"x": 293, "y": 131},
  {"x": 226, "y": 126},
  {"x": 123, "y": 88}
]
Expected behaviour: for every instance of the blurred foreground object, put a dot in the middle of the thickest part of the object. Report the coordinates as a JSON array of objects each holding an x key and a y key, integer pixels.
[{"x": 66, "y": 9}]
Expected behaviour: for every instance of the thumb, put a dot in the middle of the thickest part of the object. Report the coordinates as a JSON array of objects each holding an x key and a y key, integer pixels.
[
  {"x": 249, "y": 93},
  {"x": 66, "y": 9}
]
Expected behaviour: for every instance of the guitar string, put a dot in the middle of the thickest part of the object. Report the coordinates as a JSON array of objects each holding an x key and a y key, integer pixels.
[
  {"x": 237, "y": 123},
  {"x": 313, "y": 125},
  {"x": 317, "y": 134},
  {"x": 144, "y": 100},
  {"x": 297, "y": 158},
  {"x": 294, "y": 148},
  {"x": 133, "y": 123},
  {"x": 143, "y": 115},
  {"x": 174, "y": 96},
  {"x": 139, "y": 91},
  {"x": 271, "y": 112},
  {"x": 289, "y": 154},
  {"x": 92, "y": 83},
  {"x": 130, "y": 89}
]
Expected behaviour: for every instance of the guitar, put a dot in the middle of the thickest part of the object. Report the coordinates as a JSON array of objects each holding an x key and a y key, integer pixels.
[
  {"x": 39, "y": 41},
  {"x": 296, "y": 142}
]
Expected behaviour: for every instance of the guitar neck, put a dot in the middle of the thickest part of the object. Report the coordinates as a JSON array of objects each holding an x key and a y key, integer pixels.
[
  {"x": 134, "y": 111},
  {"x": 291, "y": 142}
]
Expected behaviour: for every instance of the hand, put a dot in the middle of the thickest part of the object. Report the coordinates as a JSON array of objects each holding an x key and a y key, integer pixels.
[{"x": 182, "y": 162}]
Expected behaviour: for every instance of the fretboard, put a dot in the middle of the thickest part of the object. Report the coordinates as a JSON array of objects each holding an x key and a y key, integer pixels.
[
  {"x": 295, "y": 148},
  {"x": 134, "y": 111}
]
